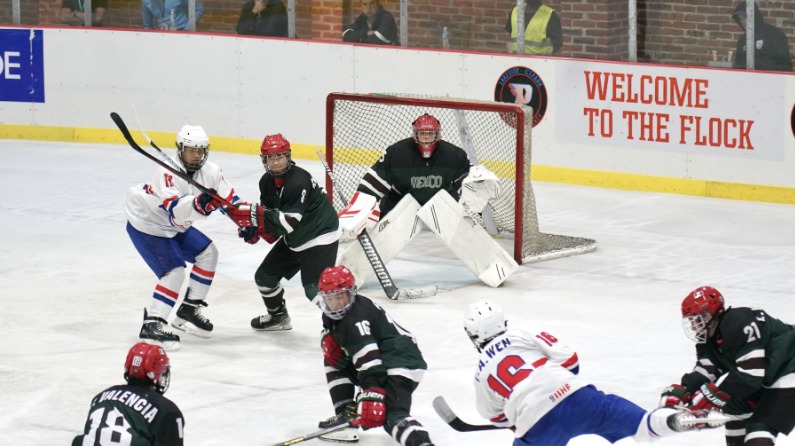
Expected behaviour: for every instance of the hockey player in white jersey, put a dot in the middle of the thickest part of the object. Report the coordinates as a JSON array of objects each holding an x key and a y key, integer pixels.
[
  {"x": 160, "y": 217},
  {"x": 528, "y": 381}
]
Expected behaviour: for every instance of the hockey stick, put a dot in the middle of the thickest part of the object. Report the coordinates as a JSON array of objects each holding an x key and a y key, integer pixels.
[
  {"x": 446, "y": 413},
  {"x": 163, "y": 154},
  {"x": 178, "y": 172},
  {"x": 315, "y": 434},
  {"x": 391, "y": 290}
]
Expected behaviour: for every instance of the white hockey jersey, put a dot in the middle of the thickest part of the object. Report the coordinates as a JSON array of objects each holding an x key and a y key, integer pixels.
[
  {"x": 164, "y": 207},
  {"x": 522, "y": 376}
]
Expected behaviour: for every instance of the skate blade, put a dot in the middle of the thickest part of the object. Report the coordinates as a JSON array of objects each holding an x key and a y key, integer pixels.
[
  {"x": 347, "y": 435},
  {"x": 189, "y": 328},
  {"x": 274, "y": 328}
]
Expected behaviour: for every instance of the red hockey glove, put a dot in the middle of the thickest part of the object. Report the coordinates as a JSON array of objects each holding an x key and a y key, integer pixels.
[
  {"x": 675, "y": 395},
  {"x": 246, "y": 214},
  {"x": 205, "y": 203},
  {"x": 332, "y": 352},
  {"x": 265, "y": 235},
  {"x": 371, "y": 409},
  {"x": 249, "y": 235},
  {"x": 709, "y": 396}
]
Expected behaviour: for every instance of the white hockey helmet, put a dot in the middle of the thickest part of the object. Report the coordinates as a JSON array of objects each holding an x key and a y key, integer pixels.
[
  {"x": 195, "y": 137},
  {"x": 483, "y": 321}
]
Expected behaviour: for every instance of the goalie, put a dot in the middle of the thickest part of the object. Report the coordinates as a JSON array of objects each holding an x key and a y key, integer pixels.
[{"x": 431, "y": 180}]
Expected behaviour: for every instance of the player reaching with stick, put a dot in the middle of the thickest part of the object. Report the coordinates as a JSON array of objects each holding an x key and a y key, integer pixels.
[
  {"x": 296, "y": 216},
  {"x": 425, "y": 177},
  {"x": 160, "y": 217}
]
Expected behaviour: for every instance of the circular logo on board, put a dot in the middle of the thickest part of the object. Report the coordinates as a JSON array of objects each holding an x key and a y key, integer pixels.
[{"x": 523, "y": 86}]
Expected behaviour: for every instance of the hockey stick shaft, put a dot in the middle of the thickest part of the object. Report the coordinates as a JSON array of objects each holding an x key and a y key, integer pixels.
[
  {"x": 313, "y": 435},
  {"x": 391, "y": 290},
  {"x": 446, "y": 413},
  {"x": 178, "y": 172}
]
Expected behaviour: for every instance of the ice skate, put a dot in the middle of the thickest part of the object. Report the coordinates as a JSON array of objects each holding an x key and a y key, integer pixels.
[
  {"x": 152, "y": 332},
  {"x": 346, "y": 435},
  {"x": 190, "y": 319},
  {"x": 272, "y": 321},
  {"x": 690, "y": 420}
]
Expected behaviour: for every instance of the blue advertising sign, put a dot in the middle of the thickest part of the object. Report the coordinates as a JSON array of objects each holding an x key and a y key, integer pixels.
[{"x": 21, "y": 65}]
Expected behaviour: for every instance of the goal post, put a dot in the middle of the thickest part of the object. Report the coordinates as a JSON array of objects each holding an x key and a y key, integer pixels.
[{"x": 359, "y": 128}]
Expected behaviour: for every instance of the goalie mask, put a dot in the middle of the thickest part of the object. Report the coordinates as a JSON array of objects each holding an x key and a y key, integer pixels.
[
  {"x": 275, "y": 154},
  {"x": 148, "y": 364},
  {"x": 427, "y": 132},
  {"x": 700, "y": 311},
  {"x": 484, "y": 321},
  {"x": 337, "y": 291},
  {"x": 193, "y": 147}
]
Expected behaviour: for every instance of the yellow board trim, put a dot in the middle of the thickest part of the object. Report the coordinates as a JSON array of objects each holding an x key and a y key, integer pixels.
[{"x": 593, "y": 178}]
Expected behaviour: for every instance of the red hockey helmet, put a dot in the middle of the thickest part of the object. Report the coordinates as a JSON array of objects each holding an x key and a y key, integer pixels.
[
  {"x": 427, "y": 132},
  {"x": 275, "y": 154},
  {"x": 148, "y": 364},
  {"x": 337, "y": 291},
  {"x": 700, "y": 311}
]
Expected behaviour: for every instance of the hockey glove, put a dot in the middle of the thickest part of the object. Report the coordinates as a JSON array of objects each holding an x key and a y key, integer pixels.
[
  {"x": 709, "y": 396},
  {"x": 247, "y": 214},
  {"x": 371, "y": 408},
  {"x": 332, "y": 352},
  {"x": 249, "y": 235},
  {"x": 205, "y": 203},
  {"x": 675, "y": 395}
]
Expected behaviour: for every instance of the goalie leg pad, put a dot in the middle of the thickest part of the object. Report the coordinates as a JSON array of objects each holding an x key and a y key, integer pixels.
[
  {"x": 390, "y": 236},
  {"x": 469, "y": 241}
]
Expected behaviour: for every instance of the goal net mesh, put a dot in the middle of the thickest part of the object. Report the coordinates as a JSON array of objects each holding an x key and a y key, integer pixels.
[{"x": 497, "y": 135}]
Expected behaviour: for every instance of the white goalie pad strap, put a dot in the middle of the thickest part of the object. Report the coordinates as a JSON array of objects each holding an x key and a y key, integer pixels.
[
  {"x": 470, "y": 242},
  {"x": 390, "y": 236},
  {"x": 361, "y": 213},
  {"x": 478, "y": 188}
]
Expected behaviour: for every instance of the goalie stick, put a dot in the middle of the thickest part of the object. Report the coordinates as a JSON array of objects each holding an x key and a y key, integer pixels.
[
  {"x": 315, "y": 434},
  {"x": 391, "y": 290},
  {"x": 446, "y": 413}
]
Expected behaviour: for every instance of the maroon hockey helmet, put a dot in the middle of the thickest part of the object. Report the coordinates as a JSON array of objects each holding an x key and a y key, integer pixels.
[
  {"x": 148, "y": 364},
  {"x": 427, "y": 132},
  {"x": 276, "y": 149},
  {"x": 337, "y": 291},
  {"x": 700, "y": 309}
]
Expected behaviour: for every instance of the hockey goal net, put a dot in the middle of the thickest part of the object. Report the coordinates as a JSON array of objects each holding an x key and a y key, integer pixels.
[{"x": 359, "y": 127}]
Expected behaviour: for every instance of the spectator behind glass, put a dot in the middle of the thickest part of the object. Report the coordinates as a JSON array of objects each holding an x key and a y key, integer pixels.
[
  {"x": 543, "y": 32},
  {"x": 159, "y": 14},
  {"x": 772, "y": 48},
  {"x": 376, "y": 25},
  {"x": 263, "y": 18},
  {"x": 72, "y": 12}
]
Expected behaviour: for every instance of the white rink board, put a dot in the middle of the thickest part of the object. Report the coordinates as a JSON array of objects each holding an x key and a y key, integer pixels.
[{"x": 246, "y": 87}]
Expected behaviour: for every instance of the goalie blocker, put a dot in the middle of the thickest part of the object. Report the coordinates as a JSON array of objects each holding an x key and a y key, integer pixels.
[{"x": 450, "y": 222}]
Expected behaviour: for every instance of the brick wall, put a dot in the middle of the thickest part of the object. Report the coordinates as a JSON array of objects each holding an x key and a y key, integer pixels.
[{"x": 669, "y": 31}]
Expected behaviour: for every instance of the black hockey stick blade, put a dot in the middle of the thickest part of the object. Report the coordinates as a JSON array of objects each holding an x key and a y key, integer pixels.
[
  {"x": 446, "y": 413},
  {"x": 315, "y": 434},
  {"x": 126, "y": 133}
]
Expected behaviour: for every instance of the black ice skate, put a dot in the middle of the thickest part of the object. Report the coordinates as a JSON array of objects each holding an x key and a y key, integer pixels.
[
  {"x": 346, "y": 435},
  {"x": 189, "y": 318},
  {"x": 273, "y": 321},
  {"x": 152, "y": 332}
]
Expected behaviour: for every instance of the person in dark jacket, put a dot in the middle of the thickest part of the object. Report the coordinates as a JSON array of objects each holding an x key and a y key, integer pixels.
[
  {"x": 263, "y": 18},
  {"x": 772, "y": 48},
  {"x": 375, "y": 25}
]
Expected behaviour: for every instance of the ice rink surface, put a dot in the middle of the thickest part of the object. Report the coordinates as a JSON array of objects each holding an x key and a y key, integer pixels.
[{"x": 74, "y": 289}]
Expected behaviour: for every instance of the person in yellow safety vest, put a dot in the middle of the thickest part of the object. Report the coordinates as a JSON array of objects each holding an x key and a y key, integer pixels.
[{"x": 543, "y": 32}]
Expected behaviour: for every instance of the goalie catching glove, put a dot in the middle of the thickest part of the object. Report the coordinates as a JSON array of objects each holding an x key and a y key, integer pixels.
[
  {"x": 360, "y": 214},
  {"x": 371, "y": 408},
  {"x": 478, "y": 188}
]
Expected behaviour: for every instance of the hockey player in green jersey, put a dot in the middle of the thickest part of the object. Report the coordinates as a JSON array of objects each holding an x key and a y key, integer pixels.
[
  {"x": 136, "y": 414},
  {"x": 296, "y": 215},
  {"x": 363, "y": 346},
  {"x": 745, "y": 366}
]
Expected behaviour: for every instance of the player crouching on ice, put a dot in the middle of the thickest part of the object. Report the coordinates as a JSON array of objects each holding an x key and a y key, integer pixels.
[
  {"x": 529, "y": 382},
  {"x": 424, "y": 177},
  {"x": 363, "y": 346}
]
